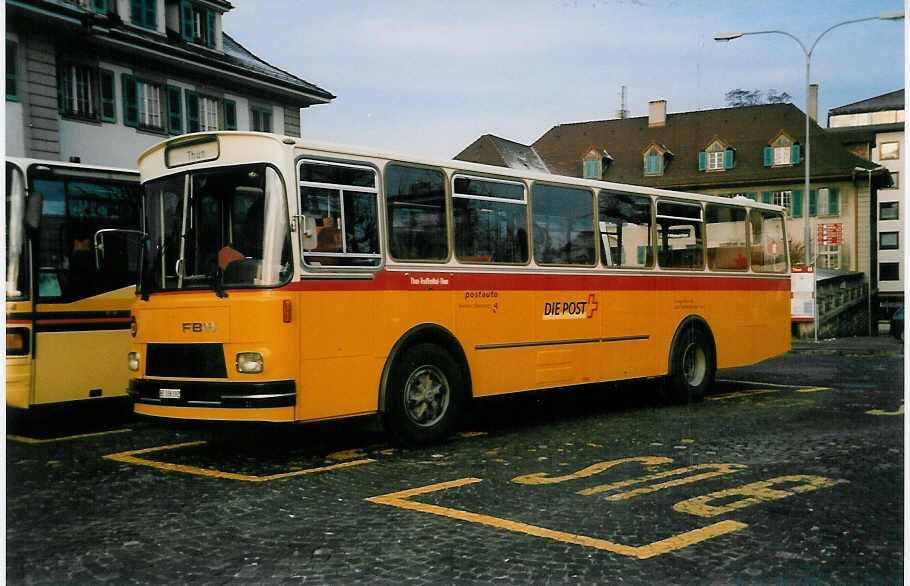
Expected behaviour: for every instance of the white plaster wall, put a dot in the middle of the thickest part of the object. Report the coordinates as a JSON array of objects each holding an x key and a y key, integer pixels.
[{"x": 15, "y": 131}]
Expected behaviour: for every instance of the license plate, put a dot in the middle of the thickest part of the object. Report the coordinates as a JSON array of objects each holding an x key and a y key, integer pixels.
[{"x": 168, "y": 393}]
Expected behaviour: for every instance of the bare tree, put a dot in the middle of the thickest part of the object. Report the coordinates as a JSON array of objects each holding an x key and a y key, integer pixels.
[{"x": 739, "y": 97}]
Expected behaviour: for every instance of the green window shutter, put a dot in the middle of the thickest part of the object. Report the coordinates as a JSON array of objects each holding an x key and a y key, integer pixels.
[
  {"x": 230, "y": 115},
  {"x": 766, "y": 197},
  {"x": 813, "y": 202},
  {"x": 130, "y": 100},
  {"x": 833, "y": 202},
  {"x": 174, "y": 110},
  {"x": 590, "y": 167},
  {"x": 136, "y": 11},
  {"x": 794, "y": 154},
  {"x": 192, "y": 112},
  {"x": 797, "y": 202},
  {"x": 753, "y": 196},
  {"x": 210, "y": 27},
  {"x": 769, "y": 157},
  {"x": 12, "y": 71},
  {"x": 702, "y": 160},
  {"x": 728, "y": 159},
  {"x": 106, "y": 91},
  {"x": 99, "y": 6},
  {"x": 186, "y": 21}
]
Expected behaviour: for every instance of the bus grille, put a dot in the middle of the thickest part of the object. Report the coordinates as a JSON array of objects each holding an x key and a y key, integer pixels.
[{"x": 185, "y": 361}]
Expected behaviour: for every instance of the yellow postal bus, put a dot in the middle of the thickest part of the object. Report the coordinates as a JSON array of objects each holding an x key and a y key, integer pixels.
[
  {"x": 287, "y": 280},
  {"x": 67, "y": 321}
]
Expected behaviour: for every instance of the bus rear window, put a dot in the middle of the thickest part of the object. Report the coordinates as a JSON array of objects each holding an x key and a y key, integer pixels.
[{"x": 416, "y": 207}]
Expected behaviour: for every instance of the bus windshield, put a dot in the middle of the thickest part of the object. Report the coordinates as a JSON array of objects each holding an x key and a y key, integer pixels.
[{"x": 226, "y": 227}]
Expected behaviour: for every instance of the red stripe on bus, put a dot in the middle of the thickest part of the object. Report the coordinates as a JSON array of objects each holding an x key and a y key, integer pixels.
[{"x": 442, "y": 281}]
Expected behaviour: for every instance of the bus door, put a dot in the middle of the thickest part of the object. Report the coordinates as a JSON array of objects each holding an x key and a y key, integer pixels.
[{"x": 82, "y": 313}]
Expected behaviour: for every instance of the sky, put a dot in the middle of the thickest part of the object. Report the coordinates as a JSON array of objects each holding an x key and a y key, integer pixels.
[{"x": 429, "y": 77}]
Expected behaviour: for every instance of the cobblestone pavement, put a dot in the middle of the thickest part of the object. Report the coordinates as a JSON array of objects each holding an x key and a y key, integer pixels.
[{"x": 790, "y": 471}]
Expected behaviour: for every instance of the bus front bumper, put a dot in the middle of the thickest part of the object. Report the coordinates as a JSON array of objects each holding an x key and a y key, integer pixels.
[{"x": 213, "y": 395}]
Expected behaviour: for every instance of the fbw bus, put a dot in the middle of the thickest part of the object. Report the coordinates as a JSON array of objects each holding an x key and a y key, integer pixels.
[
  {"x": 287, "y": 280},
  {"x": 66, "y": 320}
]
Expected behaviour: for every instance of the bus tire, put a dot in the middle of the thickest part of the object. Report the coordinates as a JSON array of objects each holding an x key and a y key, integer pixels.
[
  {"x": 425, "y": 395},
  {"x": 693, "y": 364}
]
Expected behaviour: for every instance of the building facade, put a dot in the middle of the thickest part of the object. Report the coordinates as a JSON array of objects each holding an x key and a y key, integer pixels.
[
  {"x": 756, "y": 152},
  {"x": 874, "y": 129},
  {"x": 99, "y": 81}
]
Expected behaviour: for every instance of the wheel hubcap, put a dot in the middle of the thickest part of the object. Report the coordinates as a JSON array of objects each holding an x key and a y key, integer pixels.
[
  {"x": 426, "y": 396},
  {"x": 695, "y": 365}
]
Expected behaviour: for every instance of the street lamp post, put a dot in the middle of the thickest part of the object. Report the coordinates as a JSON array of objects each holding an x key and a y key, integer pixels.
[{"x": 726, "y": 37}]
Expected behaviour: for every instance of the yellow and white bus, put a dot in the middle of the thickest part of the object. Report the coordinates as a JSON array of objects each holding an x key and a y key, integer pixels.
[
  {"x": 289, "y": 281},
  {"x": 66, "y": 320}
]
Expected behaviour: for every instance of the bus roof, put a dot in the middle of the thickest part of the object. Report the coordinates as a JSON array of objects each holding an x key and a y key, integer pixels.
[
  {"x": 25, "y": 162},
  {"x": 501, "y": 172}
]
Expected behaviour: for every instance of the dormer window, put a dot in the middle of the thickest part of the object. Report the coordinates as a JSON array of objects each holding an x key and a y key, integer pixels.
[
  {"x": 655, "y": 158},
  {"x": 595, "y": 163},
  {"x": 781, "y": 152},
  {"x": 197, "y": 24},
  {"x": 716, "y": 157}
]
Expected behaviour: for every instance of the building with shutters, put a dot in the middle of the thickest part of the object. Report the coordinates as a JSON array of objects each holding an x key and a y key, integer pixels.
[
  {"x": 874, "y": 129},
  {"x": 756, "y": 152},
  {"x": 99, "y": 81}
]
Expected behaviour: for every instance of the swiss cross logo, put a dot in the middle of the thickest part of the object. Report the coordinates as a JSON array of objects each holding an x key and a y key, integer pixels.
[{"x": 592, "y": 305}]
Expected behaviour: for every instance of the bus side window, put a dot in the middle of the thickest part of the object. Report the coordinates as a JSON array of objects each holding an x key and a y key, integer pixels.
[
  {"x": 625, "y": 230},
  {"x": 679, "y": 235},
  {"x": 416, "y": 204},
  {"x": 491, "y": 220},
  {"x": 563, "y": 225},
  {"x": 725, "y": 228}
]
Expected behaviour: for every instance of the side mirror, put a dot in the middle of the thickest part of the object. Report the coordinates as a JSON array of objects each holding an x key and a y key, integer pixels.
[
  {"x": 98, "y": 241},
  {"x": 307, "y": 232},
  {"x": 33, "y": 206}
]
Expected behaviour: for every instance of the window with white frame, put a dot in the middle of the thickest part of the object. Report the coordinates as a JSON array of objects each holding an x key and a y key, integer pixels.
[
  {"x": 149, "y": 103},
  {"x": 715, "y": 156},
  {"x": 888, "y": 240},
  {"x": 208, "y": 113},
  {"x": 782, "y": 151},
  {"x": 889, "y": 210},
  {"x": 889, "y": 151},
  {"x": 783, "y": 199},
  {"x": 829, "y": 256},
  {"x": 654, "y": 162},
  {"x": 77, "y": 90}
]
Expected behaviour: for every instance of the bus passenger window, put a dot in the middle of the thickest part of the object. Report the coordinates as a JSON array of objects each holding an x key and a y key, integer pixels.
[
  {"x": 725, "y": 232},
  {"x": 342, "y": 198},
  {"x": 769, "y": 252},
  {"x": 563, "y": 225},
  {"x": 625, "y": 230},
  {"x": 491, "y": 221},
  {"x": 415, "y": 204},
  {"x": 679, "y": 235}
]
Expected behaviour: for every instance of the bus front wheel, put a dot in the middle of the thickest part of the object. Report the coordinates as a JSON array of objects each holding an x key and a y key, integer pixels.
[
  {"x": 693, "y": 365},
  {"x": 424, "y": 395}
]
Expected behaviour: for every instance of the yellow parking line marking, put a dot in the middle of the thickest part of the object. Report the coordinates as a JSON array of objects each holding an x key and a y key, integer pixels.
[
  {"x": 130, "y": 458},
  {"x": 761, "y": 391},
  {"x": 400, "y": 499},
  {"x": 29, "y": 440},
  {"x": 739, "y": 394},
  {"x": 813, "y": 389},
  {"x": 900, "y": 411}
]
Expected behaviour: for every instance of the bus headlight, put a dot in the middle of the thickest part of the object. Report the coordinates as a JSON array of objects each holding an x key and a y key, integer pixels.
[
  {"x": 132, "y": 360},
  {"x": 249, "y": 362}
]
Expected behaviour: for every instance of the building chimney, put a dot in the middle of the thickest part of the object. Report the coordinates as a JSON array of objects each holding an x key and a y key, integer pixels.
[
  {"x": 813, "y": 101},
  {"x": 657, "y": 113}
]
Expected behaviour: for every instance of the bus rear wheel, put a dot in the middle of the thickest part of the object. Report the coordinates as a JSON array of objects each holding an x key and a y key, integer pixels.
[
  {"x": 693, "y": 365},
  {"x": 424, "y": 395}
]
